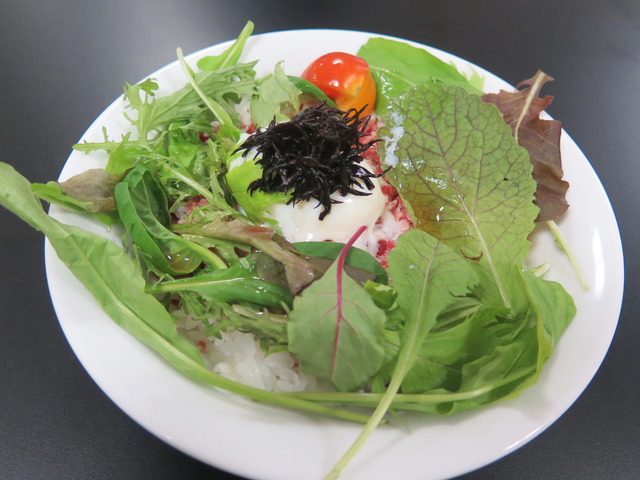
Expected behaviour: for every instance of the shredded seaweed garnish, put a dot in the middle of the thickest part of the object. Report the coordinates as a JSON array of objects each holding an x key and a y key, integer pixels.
[{"x": 316, "y": 153}]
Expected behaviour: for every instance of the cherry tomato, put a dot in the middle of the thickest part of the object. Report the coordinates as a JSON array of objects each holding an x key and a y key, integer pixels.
[{"x": 345, "y": 79}]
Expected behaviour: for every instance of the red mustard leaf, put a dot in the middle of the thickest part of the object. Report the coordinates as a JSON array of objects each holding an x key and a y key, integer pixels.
[{"x": 521, "y": 110}]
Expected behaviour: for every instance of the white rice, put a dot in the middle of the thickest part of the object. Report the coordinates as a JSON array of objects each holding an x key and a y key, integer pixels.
[{"x": 238, "y": 356}]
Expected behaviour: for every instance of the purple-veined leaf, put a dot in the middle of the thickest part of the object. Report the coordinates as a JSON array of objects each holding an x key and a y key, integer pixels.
[{"x": 335, "y": 329}]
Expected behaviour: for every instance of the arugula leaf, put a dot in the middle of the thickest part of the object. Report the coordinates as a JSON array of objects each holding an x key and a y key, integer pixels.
[
  {"x": 227, "y": 285},
  {"x": 397, "y": 67},
  {"x": 336, "y": 330},
  {"x": 467, "y": 181}
]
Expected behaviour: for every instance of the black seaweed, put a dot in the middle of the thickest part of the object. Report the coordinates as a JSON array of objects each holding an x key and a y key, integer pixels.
[{"x": 316, "y": 153}]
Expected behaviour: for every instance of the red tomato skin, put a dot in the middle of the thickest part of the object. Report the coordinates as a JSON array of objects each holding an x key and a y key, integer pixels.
[{"x": 344, "y": 78}]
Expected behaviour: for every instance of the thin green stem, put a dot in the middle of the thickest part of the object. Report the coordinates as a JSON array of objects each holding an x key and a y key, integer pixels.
[{"x": 563, "y": 244}]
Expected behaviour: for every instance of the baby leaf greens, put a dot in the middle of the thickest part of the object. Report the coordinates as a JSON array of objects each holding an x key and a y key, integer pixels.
[
  {"x": 470, "y": 189},
  {"x": 142, "y": 205},
  {"x": 336, "y": 329},
  {"x": 90, "y": 191},
  {"x": 428, "y": 276},
  {"x": 113, "y": 278},
  {"x": 117, "y": 283}
]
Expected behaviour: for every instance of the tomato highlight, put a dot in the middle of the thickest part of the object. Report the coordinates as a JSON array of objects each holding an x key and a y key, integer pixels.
[{"x": 345, "y": 79}]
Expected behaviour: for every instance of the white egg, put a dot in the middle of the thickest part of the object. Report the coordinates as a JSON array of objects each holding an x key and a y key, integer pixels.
[{"x": 301, "y": 223}]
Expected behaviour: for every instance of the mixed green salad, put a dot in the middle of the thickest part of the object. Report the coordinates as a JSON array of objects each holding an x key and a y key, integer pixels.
[{"x": 454, "y": 320}]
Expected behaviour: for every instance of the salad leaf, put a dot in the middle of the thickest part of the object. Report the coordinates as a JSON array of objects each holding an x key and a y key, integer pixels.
[
  {"x": 142, "y": 206},
  {"x": 397, "y": 67},
  {"x": 227, "y": 132},
  {"x": 183, "y": 105},
  {"x": 154, "y": 116},
  {"x": 277, "y": 98},
  {"x": 88, "y": 192},
  {"x": 117, "y": 284},
  {"x": 106, "y": 270},
  {"x": 518, "y": 357},
  {"x": 299, "y": 272},
  {"x": 231, "y": 55},
  {"x": 94, "y": 187},
  {"x": 554, "y": 309},
  {"x": 308, "y": 91},
  {"x": 355, "y": 257},
  {"x": 336, "y": 330},
  {"x": 427, "y": 276},
  {"x": 273, "y": 271},
  {"x": 255, "y": 203},
  {"x": 227, "y": 285},
  {"x": 465, "y": 178},
  {"x": 521, "y": 110}
]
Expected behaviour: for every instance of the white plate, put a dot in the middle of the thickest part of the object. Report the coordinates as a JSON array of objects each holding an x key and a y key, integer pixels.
[{"x": 264, "y": 442}]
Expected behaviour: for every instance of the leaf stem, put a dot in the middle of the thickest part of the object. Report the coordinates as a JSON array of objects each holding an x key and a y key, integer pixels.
[
  {"x": 563, "y": 244},
  {"x": 215, "y": 108},
  {"x": 339, "y": 271},
  {"x": 407, "y": 401}
]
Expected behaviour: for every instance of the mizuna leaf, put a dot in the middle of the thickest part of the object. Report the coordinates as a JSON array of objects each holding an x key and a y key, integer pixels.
[
  {"x": 467, "y": 181},
  {"x": 229, "y": 56},
  {"x": 521, "y": 110}
]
